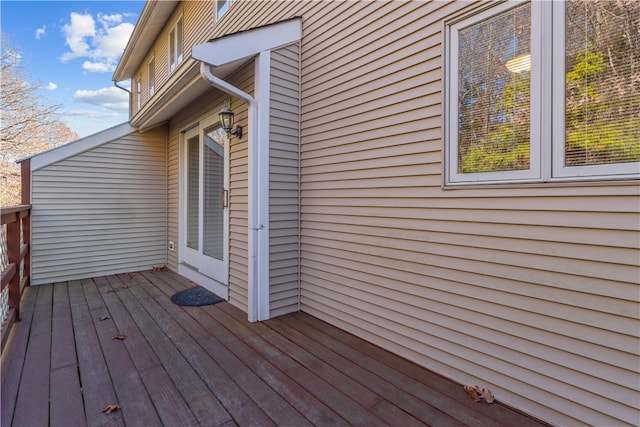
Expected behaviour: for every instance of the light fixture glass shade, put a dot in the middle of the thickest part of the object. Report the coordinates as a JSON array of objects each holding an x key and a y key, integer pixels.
[
  {"x": 519, "y": 63},
  {"x": 226, "y": 119}
]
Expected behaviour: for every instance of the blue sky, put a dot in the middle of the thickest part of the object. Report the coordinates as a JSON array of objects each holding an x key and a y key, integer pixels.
[{"x": 71, "y": 48}]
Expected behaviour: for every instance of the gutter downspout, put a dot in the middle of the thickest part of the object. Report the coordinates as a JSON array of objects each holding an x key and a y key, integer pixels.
[
  {"x": 115, "y": 83},
  {"x": 254, "y": 226}
]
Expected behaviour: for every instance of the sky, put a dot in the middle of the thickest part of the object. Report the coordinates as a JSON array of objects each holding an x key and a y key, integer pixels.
[{"x": 71, "y": 49}]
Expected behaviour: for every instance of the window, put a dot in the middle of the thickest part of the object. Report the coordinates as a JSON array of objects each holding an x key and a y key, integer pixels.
[
  {"x": 152, "y": 77},
  {"x": 221, "y": 7},
  {"x": 523, "y": 107},
  {"x": 175, "y": 45},
  {"x": 138, "y": 85}
]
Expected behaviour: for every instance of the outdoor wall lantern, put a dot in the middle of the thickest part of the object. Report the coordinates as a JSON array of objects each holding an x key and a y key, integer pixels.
[{"x": 226, "y": 121}]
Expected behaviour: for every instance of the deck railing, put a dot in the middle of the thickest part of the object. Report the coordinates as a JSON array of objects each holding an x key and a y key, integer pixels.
[{"x": 16, "y": 262}]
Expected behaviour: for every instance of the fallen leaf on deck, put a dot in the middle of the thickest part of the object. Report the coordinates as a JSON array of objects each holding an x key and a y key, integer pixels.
[
  {"x": 194, "y": 284},
  {"x": 105, "y": 317},
  {"x": 159, "y": 268},
  {"x": 477, "y": 394},
  {"x": 119, "y": 336},
  {"x": 111, "y": 408},
  {"x": 487, "y": 395},
  {"x": 472, "y": 391}
]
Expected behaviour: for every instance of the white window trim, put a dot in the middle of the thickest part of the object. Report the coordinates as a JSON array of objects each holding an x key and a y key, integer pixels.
[
  {"x": 151, "y": 65},
  {"x": 173, "y": 42},
  {"x": 138, "y": 92},
  {"x": 547, "y": 162}
]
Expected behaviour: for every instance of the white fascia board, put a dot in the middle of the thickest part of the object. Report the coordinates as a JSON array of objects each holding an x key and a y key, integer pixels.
[
  {"x": 63, "y": 152},
  {"x": 246, "y": 44}
]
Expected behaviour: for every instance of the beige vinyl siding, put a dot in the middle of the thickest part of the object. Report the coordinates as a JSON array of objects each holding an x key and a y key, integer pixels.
[
  {"x": 239, "y": 195},
  {"x": 197, "y": 19},
  {"x": 102, "y": 211},
  {"x": 173, "y": 182},
  {"x": 198, "y": 23},
  {"x": 161, "y": 51},
  {"x": 529, "y": 291},
  {"x": 284, "y": 143}
]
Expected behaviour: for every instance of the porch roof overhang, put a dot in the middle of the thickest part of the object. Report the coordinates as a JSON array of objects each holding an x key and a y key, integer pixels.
[{"x": 243, "y": 45}]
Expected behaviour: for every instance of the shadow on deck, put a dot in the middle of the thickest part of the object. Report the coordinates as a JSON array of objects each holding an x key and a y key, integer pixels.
[{"x": 181, "y": 366}]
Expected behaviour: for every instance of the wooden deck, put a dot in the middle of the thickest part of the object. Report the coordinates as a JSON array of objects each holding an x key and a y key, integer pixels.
[{"x": 183, "y": 366}]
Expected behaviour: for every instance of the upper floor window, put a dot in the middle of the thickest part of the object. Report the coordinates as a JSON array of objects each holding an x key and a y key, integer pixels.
[
  {"x": 152, "y": 76},
  {"x": 543, "y": 91},
  {"x": 175, "y": 45},
  {"x": 138, "y": 93},
  {"x": 221, "y": 7}
]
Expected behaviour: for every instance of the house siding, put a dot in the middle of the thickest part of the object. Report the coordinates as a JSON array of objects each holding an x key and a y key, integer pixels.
[
  {"x": 530, "y": 291},
  {"x": 514, "y": 289},
  {"x": 239, "y": 195},
  {"x": 102, "y": 211},
  {"x": 197, "y": 19},
  {"x": 284, "y": 153}
]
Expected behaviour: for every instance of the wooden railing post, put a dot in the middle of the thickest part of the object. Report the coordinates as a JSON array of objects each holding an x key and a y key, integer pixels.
[
  {"x": 13, "y": 254},
  {"x": 26, "y": 246},
  {"x": 25, "y": 176}
]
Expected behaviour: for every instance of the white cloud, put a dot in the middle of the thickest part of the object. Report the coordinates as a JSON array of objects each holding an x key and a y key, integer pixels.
[
  {"x": 103, "y": 45},
  {"x": 97, "y": 66},
  {"x": 109, "y": 20},
  {"x": 91, "y": 114},
  {"x": 40, "y": 32},
  {"x": 111, "y": 42},
  {"x": 109, "y": 97},
  {"x": 76, "y": 32},
  {"x": 51, "y": 86}
]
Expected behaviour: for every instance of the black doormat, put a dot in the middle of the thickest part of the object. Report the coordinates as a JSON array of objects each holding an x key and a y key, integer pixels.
[{"x": 195, "y": 297}]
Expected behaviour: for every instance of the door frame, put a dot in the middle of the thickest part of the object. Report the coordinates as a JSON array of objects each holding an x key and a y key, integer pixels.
[{"x": 221, "y": 288}]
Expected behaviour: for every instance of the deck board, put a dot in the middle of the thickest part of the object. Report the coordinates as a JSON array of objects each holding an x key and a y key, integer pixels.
[
  {"x": 203, "y": 404},
  {"x": 13, "y": 358},
  {"x": 192, "y": 366},
  {"x": 298, "y": 397},
  {"x": 65, "y": 403},
  {"x": 132, "y": 396},
  {"x": 273, "y": 405},
  {"x": 32, "y": 405},
  {"x": 97, "y": 388}
]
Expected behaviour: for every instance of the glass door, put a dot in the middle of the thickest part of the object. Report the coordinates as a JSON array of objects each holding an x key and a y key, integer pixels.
[{"x": 206, "y": 210}]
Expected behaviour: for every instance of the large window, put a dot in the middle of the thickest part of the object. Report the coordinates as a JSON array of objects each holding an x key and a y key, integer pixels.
[
  {"x": 175, "y": 45},
  {"x": 543, "y": 91}
]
